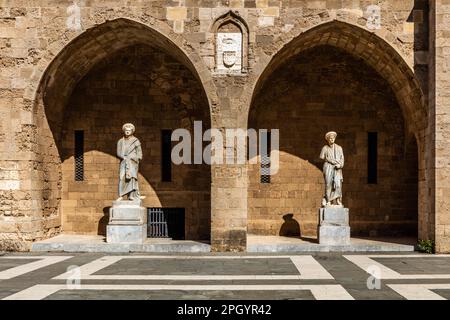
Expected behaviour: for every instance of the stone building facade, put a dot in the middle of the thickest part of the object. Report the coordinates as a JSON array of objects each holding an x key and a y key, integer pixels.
[{"x": 302, "y": 66}]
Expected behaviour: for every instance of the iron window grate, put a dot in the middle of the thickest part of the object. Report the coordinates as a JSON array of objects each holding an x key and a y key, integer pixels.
[
  {"x": 265, "y": 158},
  {"x": 166, "y": 223},
  {"x": 79, "y": 155}
]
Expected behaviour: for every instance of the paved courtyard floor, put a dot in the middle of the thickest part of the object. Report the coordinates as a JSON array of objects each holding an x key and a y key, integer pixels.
[{"x": 321, "y": 276}]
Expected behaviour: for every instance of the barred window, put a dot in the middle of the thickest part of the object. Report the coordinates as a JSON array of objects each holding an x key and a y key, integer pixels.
[
  {"x": 265, "y": 157},
  {"x": 79, "y": 155},
  {"x": 372, "y": 157}
]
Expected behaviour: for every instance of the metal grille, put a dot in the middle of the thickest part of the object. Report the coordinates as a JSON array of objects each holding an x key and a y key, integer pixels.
[
  {"x": 166, "y": 223},
  {"x": 157, "y": 223},
  {"x": 265, "y": 169},
  {"x": 265, "y": 158},
  {"x": 79, "y": 155}
]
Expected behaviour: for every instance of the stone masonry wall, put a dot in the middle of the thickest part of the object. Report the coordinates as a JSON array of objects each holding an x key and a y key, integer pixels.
[
  {"x": 41, "y": 59},
  {"x": 440, "y": 110}
]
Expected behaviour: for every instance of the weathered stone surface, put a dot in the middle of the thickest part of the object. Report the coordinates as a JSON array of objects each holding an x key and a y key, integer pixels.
[
  {"x": 334, "y": 216},
  {"x": 127, "y": 213},
  {"x": 334, "y": 235},
  {"x": 334, "y": 229},
  {"x": 275, "y": 244},
  {"x": 77, "y": 243},
  {"x": 127, "y": 222},
  {"x": 126, "y": 233},
  {"x": 55, "y": 80}
]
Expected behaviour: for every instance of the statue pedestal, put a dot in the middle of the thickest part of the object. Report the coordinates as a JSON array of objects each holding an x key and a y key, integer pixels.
[
  {"x": 127, "y": 222},
  {"x": 334, "y": 226}
]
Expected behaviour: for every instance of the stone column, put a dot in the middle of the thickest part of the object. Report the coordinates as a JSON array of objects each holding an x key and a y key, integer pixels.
[
  {"x": 439, "y": 114},
  {"x": 27, "y": 211},
  {"x": 229, "y": 208},
  {"x": 229, "y": 180}
]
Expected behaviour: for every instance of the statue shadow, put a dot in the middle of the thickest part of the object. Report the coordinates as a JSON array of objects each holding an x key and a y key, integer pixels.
[
  {"x": 290, "y": 228},
  {"x": 103, "y": 222}
]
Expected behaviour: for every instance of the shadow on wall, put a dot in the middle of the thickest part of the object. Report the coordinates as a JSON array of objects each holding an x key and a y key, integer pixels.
[
  {"x": 103, "y": 222},
  {"x": 290, "y": 227}
]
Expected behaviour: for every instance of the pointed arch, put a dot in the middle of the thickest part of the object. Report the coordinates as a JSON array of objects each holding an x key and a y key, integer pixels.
[
  {"x": 63, "y": 71},
  {"x": 372, "y": 49},
  {"x": 85, "y": 51}
]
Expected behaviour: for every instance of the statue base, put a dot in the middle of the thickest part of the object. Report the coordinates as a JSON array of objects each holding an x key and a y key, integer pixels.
[
  {"x": 334, "y": 226},
  {"x": 127, "y": 222}
]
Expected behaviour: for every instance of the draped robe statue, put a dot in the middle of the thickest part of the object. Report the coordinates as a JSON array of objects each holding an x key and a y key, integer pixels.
[
  {"x": 333, "y": 157},
  {"x": 130, "y": 152}
]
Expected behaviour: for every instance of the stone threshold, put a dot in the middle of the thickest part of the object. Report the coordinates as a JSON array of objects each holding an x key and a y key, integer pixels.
[
  {"x": 272, "y": 244},
  {"x": 255, "y": 244},
  {"x": 93, "y": 243}
]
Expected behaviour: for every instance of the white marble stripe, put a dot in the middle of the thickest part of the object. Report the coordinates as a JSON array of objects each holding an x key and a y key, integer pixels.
[
  {"x": 419, "y": 291},
  {"x": 320, "y": 292},
  {"x": 309, "y": 268},
  {"x": 37, "y": 292},
  {"x": 89, "y": 268},
  {"x": 330, "y": 292},
  {"x": 43, "y": 261},
  {"x": 364, "y": 262}
]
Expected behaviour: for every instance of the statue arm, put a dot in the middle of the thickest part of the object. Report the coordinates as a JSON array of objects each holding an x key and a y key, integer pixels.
[
  {"x": 340, "y": 161},
  {"x": 139, "y": 152},
  {"x": 325, "y": 156},
  {"x": 322, "y": 153},
  {"x": 119, "y": 150}
]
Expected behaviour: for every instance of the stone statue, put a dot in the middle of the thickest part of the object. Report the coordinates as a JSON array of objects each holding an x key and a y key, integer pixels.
[
  {"x": 333, "y": 157},
  {"x": 130, "y": 153}
]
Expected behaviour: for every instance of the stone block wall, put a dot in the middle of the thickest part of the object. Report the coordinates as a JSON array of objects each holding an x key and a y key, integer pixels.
[
  {"x": 42, "y": 61},
  {"x": 440, "y": 112}
]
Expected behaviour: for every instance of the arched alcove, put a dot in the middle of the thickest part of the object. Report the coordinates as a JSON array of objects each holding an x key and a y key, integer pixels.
[
  {"x": 120, "y": 71},
  {"x": 339, "y": 77}
]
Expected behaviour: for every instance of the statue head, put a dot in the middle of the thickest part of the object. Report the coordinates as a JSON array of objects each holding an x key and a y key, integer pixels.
[
  {"x": 128, "y": 129},
  {"x": 331, "y": 137}
]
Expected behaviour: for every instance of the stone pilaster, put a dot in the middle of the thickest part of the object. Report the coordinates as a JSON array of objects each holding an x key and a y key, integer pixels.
[{"x": 440, "y": 117}]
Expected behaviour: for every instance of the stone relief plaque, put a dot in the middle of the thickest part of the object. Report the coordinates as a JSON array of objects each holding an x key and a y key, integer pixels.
[{"x": 229, "y": 52}]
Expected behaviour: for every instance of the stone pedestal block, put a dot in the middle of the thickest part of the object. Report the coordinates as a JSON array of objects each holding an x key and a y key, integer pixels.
[
  {"x": 334, "y": 216},
  {"x": 126, "y": 234},
  {"x": 127, "y": 222},
  {"x": 334, "y": 235},
  {"x": 334, "y": 226}
]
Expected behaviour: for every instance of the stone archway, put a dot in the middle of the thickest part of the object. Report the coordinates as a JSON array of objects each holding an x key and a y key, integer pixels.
[
  {"x": 386, "y": 63},
  {"x": 118, "y": 54}
]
